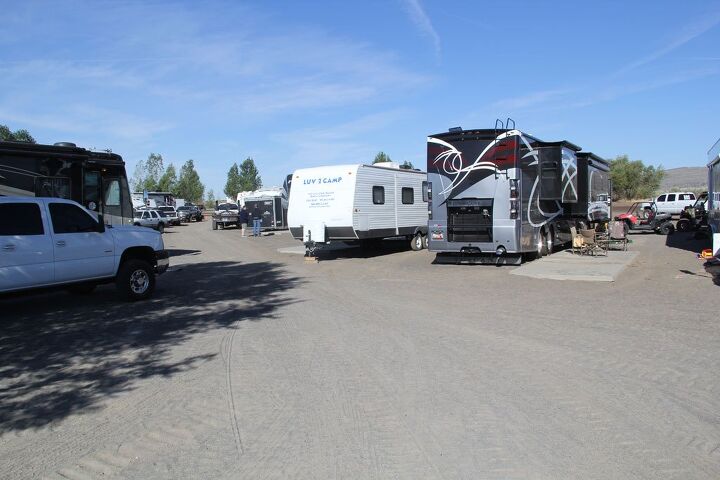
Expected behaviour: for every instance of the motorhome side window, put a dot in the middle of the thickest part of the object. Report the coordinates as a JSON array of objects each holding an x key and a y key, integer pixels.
[
  {"x": 408, "y": 196},
  {"x": 378, "y": 195},
  {"x": 20, "y": 219}
]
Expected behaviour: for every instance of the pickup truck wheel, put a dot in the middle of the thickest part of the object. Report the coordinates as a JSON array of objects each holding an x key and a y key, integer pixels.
[
  {"x": 161, "y": 227},
  {"x": 214, "y": 225},
  {"x": 81, "y": 288},
  {"x": 135, "y": 280}
]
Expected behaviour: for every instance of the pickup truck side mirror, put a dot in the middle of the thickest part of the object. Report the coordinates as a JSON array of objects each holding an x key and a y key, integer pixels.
[{"x": 101, "y": 224}]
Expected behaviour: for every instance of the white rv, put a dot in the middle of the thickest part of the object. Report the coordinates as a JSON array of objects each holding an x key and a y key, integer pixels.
[{"x": 358, "y": 202}]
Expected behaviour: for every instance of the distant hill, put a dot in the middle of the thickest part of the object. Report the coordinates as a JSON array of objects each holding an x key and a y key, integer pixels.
[{"x": 685, "y": 178}]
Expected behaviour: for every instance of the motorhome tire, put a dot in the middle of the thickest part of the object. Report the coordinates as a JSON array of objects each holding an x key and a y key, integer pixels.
[
  {"x": 416, "y": 243},
  {"x": 550, "y": 241},
  {"x": 543, "y": 246}
]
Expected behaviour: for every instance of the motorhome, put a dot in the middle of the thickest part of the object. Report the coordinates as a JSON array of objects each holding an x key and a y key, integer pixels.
[
  {"x": 96, "y": 180},
  {"x": 496, "y": 195},
  {"x": 356, "y": 203},
  {"x": 270, "y": 205}
]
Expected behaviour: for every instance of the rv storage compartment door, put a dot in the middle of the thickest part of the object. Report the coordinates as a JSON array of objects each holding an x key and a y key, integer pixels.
[
  {"x": 550, "y": 173},
  {"x": 470, "y": 220}
]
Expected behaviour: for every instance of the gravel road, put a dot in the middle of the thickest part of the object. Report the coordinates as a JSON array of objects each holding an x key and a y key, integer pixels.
[{"x": 249, "y": 363}]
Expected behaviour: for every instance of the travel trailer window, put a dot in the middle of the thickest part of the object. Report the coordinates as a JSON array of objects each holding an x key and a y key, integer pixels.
[
  {"x": 378, "y": 195},
  {"x": 425, "y": 191},
  {"x": 408, "y": 196},
  {"x": 25, "y": 217}
]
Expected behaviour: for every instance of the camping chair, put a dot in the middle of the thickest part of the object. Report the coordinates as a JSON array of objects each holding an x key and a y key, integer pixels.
[
  {"x": 577, "y": 241},
  {"x": 618, "y": 235},
  {"x": 590, "y": 243}
]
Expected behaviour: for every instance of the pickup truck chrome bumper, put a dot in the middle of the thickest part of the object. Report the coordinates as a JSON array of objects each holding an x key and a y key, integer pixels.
[{"x": 162, "y": 261}]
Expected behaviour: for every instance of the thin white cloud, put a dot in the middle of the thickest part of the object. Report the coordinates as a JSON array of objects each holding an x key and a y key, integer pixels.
[
  {"x": 685, "y": 35},
  {"x": 422, "y": 22}
]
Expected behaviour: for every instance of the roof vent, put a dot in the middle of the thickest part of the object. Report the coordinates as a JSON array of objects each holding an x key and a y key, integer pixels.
[
  {"x": 455, "y": 129},
  {"x": 64, "y": 144}
]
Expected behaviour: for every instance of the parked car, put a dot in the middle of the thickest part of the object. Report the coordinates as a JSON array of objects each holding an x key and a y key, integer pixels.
[
  {"x": 674, "y": 203},
  {"x": 225, "y": 214},
  {"x": 170, "y": 213},
  {"x": 183, "y": 214},
  {"x": 191, "y": 212},
  {"x": 151, "y": 219},
  {"x": 46, "y": 242}
]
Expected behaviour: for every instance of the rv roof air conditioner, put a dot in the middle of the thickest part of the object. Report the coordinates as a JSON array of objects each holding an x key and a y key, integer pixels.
[{"x": 64, "y": 144}]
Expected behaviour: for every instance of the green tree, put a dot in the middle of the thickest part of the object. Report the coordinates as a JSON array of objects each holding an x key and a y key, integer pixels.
[
  {"x": 210, "y": 201},
  {"x": 21, "y": 135},
  {"x": 234, "y": 184},
  {"x": 249, "y": 176},
  {"x": 168, "y": 181},
  {"x": 147, "y": 173},
  {"x": 633, "y": 179},
  {"x": 407, "y": 165},
  {"x": 381, "y": 157},
  {"x": 189, "y": 186}
]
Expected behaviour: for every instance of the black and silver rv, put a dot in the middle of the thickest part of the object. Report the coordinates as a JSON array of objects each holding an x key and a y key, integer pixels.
[
  {"x": 269, "y": 205},
  {"x": 96, "y": 180},
  {"x": 496, "y": 194}
]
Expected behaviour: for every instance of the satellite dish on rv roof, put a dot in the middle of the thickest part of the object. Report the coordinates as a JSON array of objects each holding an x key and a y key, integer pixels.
[{"x": 64, "y": 144}]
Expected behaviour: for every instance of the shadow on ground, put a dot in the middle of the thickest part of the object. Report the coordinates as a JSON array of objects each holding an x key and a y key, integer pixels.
[
  {"x": 366, "y": 250},
  {"x": 691, "y": 241},
  {"x": 62, "y": 354}
]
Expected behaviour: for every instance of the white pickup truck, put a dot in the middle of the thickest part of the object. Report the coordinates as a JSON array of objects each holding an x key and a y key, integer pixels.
[{"x": 48, "y": 242}]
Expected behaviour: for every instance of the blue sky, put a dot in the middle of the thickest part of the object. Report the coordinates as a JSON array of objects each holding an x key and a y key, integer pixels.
[{"x": 297, "y": 84}]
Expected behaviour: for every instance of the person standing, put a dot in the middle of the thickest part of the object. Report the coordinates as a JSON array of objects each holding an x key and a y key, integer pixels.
[
  {"x": 257, "y": 222},
  {"x": 243, "y": 217}
]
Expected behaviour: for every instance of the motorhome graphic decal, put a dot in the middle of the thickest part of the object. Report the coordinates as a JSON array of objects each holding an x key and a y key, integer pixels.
[{"x": 456, "y": 176}]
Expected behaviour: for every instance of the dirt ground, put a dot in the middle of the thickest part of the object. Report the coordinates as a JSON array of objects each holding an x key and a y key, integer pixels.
[{"x": 250, "y": 363}]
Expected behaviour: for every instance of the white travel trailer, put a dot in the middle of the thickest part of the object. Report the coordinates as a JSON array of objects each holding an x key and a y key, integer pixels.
[{"x": 358, "y": 202}]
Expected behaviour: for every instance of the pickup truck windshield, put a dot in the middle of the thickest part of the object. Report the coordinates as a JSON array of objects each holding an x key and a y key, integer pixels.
[{"x": 227, "y": 206}]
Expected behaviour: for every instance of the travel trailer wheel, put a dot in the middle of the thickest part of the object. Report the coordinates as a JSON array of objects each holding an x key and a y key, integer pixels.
[
  {"x": 417, "y": 242},
  {"x": 425, "y": 241}
]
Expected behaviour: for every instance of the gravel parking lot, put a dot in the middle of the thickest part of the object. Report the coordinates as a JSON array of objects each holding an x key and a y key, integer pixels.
[{"x": 250, "y": 363}]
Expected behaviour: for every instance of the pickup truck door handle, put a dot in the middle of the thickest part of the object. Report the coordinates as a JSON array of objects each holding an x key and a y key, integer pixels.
[
  {"x": 60, "y": 243},
  {"x": 9, "y": 247}
]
